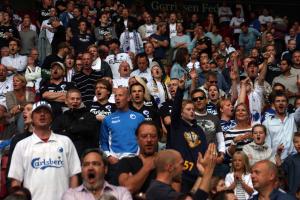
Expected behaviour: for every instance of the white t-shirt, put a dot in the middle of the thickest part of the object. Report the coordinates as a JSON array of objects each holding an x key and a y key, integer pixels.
[
  {"x": 114, "y": 62},
  {"x": 149, "y": 30},
  {"x": 265, "y": 19},
  {"x": 236, "y": 22},
  {"x": 120, "y": 82},
  {"x": 173, "y": 31},
  {"x": 45, "y": 167},
  {"x": 5, "y": 87},
  {"x": 157, "y": 91},
  {"x": 224, "y": 10},
  {"x": 131, "y": 41}
]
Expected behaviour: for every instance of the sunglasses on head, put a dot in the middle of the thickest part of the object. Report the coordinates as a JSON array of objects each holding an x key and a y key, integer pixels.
[{"x": 198, "y": 98}]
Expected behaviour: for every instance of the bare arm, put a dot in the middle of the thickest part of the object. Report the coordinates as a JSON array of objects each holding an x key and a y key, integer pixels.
[
  {"x": 74, "y": 181},
  {"x": 134, "y": 182},
  {"x": 55, "y": 96},
  {"x": 15, "y": 183}
]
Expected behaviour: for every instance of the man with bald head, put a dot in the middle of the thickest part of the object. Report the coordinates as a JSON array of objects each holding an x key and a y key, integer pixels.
[
  {"x": 265, "y": 180},
  {"x": 169, "y": 166},
  {"x": 117, "y": 136},
  {"x": 124, "y": 70}
]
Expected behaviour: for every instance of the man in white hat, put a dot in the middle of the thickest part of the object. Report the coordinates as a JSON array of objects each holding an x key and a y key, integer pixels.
[{"x": 46, "y": 163}]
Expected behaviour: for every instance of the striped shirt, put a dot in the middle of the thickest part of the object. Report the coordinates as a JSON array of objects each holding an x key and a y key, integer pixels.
[
  {"x": 86, "y": 85},
  {"x": 232, "y": 133}
]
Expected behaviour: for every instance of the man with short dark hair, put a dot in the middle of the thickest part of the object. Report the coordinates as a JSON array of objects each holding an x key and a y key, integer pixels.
[
  {"x": 86, "y": 79},
  {"x": 46, "y": 163},
  {"x": 281, "y": 127},
  {"x": 94, "y": 167},
  {"x": 136, "y": 172},
  {"x": 14, "y": 63}
]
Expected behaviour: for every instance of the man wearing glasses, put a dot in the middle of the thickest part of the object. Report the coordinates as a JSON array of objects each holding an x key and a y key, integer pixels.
[{"x": 210, "y": 125}]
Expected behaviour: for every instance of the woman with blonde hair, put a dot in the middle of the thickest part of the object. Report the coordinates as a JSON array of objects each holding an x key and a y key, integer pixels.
[
  {"x": 239, "y": 179},
  {"x": 16, "y": 99}
]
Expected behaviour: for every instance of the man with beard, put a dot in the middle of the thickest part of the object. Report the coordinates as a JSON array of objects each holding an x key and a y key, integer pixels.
[
  {"x": 14, "y": 63},
  {"x": 169, "y": 166},
  {"x": 77, "y": 123},
  {"x": 281, "y": 127},
  {"x": 94, "y": 167},
  {"x": 135, "y": 173},
  {"x": 54, "y": 91},
  {"x": 102, "y": 107},
  {"x": 138, "y": 104}
]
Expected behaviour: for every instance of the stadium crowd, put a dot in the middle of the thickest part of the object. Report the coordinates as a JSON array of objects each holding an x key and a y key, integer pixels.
[{"x": 102, "y": 100}]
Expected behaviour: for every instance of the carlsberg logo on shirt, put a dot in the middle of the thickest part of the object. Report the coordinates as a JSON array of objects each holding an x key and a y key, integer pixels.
[{"x": 42, "y": 163}]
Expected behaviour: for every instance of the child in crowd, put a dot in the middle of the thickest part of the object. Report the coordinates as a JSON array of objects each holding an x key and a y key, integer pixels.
[
  {"x": 239, "y": 179},
  {"x": 258, "y": 149}
]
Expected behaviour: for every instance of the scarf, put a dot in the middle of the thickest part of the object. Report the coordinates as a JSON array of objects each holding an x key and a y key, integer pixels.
[{"x": 126, "y": 47}]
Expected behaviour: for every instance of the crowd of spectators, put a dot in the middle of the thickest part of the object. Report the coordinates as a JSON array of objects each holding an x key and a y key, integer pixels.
[{"x": 100, "y": 100}]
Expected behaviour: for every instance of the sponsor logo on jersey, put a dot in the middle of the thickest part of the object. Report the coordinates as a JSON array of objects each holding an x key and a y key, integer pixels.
[
  {"x": 132, "y": 116},
  {"x": 42, "y": 163}
]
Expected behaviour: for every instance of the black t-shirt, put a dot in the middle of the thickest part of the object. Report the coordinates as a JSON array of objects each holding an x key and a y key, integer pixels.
[
  {"x": 133, "y": 165},
  {"x": 149, "y": 111},
  {"x": 164, "y": 111},
  {"x": 43, "y": 13},
  {"x": 273, "y": 70},
  {"x": 160, "y": 52},
  {"x": 80, "y": 42},
  {"x": 98, "y": 109},
  {"x": 51, "y": 87},
  {"x": 3, "y": 38}
]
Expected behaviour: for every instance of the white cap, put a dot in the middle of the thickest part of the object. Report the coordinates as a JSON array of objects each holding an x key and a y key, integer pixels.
[{"x": 40, "y": 104}]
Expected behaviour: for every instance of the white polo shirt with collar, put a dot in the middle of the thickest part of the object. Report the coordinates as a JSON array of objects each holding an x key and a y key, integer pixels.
[{"x": 45, "y": 167}]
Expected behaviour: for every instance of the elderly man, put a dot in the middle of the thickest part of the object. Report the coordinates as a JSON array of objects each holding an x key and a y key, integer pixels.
[
  {"x": 46, "y": 163},
  {"x": 264, "y": 178},
  {"x": 94, "y": 167}
]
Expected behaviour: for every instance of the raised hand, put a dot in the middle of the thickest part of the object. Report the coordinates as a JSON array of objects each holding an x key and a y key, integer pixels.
[
  {"x": 193, "y": 73},
  {"x": 208, "y": 162},
  {"x": 181, "y": 83}
]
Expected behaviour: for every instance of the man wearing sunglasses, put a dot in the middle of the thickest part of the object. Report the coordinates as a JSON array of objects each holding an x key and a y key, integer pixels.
[{"x": 211, "y": 127}]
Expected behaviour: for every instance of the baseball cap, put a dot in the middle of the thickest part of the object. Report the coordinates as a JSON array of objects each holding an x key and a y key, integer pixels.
[
  {"x": 41, "y": 104},
  {"x": 59, "y": 64}
]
